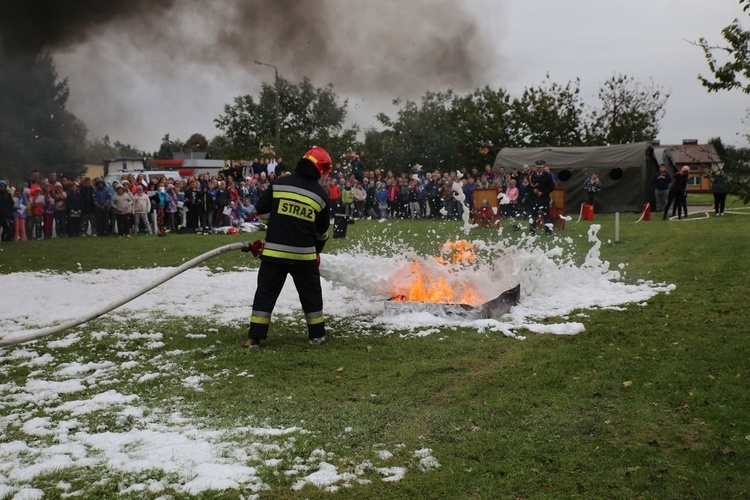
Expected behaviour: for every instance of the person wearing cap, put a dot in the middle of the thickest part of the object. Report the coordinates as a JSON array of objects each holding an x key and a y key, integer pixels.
[
  {"x": 297, "y": 213},
  {"x": 6, "y": 212},
  {"x": 676, "y": 194},
  {"x": 542, "y": 185}
]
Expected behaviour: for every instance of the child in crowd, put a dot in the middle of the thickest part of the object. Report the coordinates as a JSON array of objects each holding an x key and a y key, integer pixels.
[
  {"x": 49, "y": 210},
  {"x": 170, "y": 208},
  {"x": 20, "y": 203},
  {"x": 383, "y": 200},
  {"x": 61, "y": 210},
  {"x": 360, "y": 197},
  {"x": 205, "y": 207},
  {"x": 121, "y": 205},
  {"x": 512, "y": 195},
  {"x": 141, "y": 208},
  {"x": 233, "y": 214},
  {"x": 37, "y": 213},
  {"x": 161, "y": 203},
  {"x": 413, "y": 198},
  {"x": 75, "y": 205},
  {"x": 347, "y": 198},
  {"x": 249, "y": 213},
  {"x": 393, "y": 194}
]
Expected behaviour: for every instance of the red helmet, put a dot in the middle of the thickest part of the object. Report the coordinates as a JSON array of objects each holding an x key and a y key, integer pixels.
[
  {"x": 233, "y": 230},
  {"x": 321, "y": 159}
]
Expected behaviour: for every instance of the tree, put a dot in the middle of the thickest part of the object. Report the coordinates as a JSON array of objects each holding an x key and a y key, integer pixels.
[
  {"x": 197, "y": 142},
  {"x": 309, "y": 116},
  {"x": 550, "y": 115},
  {"x": 218, "y": 147},
  {"x": 168, "y": 146},
  {"x": 483, "y": 123},
  {"x": 124, "y": 150},
  {"x": 420, "y": 134},
  {"x": 629, "y": 112},
  {"x": 737, "y": 166},
  {"x": 165, "y": 150},
  {"x": 36, "y": 131},
  {"x": 102, "y": 149},
  {"x": 734, "y": 73}
]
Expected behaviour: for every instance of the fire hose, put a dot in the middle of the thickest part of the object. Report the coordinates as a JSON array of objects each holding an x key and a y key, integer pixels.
[{"x": 45, "y": 332}]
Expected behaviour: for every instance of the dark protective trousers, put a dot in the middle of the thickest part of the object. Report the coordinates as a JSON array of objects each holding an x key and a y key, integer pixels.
[{"x": 271, "y": 278}]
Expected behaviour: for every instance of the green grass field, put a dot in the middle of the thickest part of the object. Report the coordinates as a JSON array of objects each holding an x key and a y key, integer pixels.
[{"x": 648, "y": 402}]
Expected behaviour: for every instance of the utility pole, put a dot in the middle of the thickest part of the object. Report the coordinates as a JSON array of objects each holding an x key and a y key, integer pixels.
[{"x": 278, "y": 107}]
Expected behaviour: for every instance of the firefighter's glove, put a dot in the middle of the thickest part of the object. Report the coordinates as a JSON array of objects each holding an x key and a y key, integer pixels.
[{"x": 256, "y": 248}]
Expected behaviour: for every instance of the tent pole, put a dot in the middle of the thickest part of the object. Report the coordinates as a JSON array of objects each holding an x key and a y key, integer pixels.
[{"x": 617, "y": 227}]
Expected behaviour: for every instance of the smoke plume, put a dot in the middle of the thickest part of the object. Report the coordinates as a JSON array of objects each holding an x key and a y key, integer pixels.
[{"x": 365, "y": 48}]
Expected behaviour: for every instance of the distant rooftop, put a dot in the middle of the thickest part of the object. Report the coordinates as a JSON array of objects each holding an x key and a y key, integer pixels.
[
  {"x": 690, "y": 151},
  {"x": 194, "y": 155}
]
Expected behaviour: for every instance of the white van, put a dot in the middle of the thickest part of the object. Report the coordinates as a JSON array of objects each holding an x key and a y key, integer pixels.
[{"x": 147, "y": 174}]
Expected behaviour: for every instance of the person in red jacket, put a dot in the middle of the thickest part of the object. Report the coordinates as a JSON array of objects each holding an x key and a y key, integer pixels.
[{"x": 334, "y": 195}]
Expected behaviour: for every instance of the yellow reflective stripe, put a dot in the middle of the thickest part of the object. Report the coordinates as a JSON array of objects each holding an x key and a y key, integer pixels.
[
  {"x": 260, "y": 320},
  {"x": 298, "y": 197},
  {"x": 287, "y": 255},
  {"x": 315, "y": 321}
]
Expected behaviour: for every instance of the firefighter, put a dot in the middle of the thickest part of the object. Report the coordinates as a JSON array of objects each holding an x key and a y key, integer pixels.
[{"x": 296, "y": 211}]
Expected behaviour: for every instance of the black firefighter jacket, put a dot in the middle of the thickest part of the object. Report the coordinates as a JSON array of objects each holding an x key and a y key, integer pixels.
[{"x": 297, "y": 213}]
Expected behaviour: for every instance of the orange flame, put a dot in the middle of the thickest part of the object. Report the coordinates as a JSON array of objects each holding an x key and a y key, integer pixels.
[
  {"x": 458, "y": 252},
  {"x": 426, "y": 287}
]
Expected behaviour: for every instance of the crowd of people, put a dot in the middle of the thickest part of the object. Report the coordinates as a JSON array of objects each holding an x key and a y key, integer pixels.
[
  {"x": 51, "y": 207},
  {"x": 419, "y": 194},
  {"x": 47, "y": 207}
]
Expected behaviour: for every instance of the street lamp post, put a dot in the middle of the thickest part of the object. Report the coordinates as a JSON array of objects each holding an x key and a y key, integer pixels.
[{"x": 278, "y": 107}]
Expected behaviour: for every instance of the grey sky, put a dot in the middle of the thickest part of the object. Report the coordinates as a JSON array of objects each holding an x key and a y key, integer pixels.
[{"x": 136, "y": 91}]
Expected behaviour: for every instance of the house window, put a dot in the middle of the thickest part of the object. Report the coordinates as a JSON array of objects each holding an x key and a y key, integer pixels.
[{"x": 694, "y": 180}]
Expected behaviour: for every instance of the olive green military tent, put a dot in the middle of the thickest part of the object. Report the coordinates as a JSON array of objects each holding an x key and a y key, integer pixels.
[{"x": 625, "y": 170}]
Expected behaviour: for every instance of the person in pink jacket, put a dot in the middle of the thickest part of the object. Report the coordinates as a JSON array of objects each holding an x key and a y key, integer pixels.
[{"x": 512, "y": 194}]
